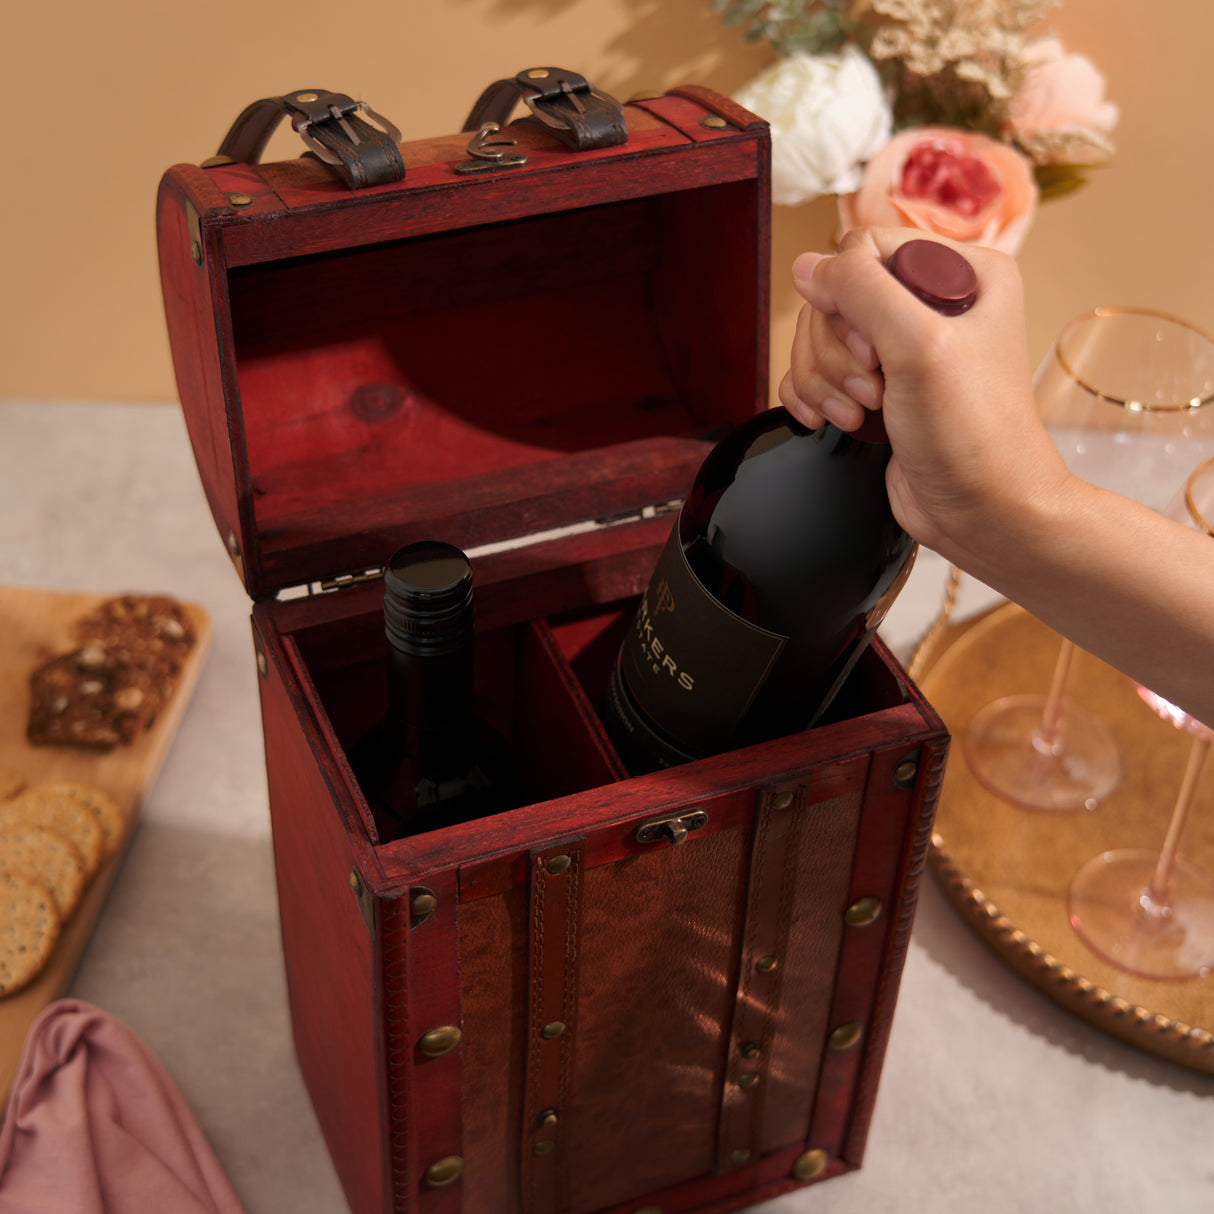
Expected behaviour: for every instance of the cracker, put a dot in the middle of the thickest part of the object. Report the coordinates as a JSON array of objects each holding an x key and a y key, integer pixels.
[
  {"x": 131, "y": 651},
  {"x": 156, "y": 626},
  {"x": 29, "y": 929},
  {"x": 49, "y": 858},
  {"x": 107, "y": 812},
  {"x": 94, "y": 697},
  {"x": 60, "y": 812}
]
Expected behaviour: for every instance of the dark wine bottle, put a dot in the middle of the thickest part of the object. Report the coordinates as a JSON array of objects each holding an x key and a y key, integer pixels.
[
  {"x": 783, "y": 562},
  {"x": 430, "y": 762}
]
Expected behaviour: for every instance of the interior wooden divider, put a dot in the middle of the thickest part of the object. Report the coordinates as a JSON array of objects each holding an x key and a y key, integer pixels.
[{"x": 538, "y": 685}]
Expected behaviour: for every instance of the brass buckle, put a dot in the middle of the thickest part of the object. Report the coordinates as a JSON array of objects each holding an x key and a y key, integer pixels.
[
  {"x": 340, "y": 114},
  {"x": 571, "y": 93}
]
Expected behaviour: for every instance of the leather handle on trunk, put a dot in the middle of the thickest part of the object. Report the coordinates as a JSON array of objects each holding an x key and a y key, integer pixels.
[
  {"x": 335, "y": 129},
  {"x": 561, "y": 101}
]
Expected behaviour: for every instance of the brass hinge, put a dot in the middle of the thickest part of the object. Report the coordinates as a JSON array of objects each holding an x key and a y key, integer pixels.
[
  {"x": 343, "y": 581},
  {"x": 637, "y": 516}
]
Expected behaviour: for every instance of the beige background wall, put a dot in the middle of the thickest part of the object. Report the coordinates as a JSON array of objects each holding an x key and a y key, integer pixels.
[{"x": 100, "y": 98}]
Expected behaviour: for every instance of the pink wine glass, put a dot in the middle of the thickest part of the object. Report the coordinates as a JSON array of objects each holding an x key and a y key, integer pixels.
[
  {"x": 1125, "y": 394},
  {"x": 1151, "y": 913}
]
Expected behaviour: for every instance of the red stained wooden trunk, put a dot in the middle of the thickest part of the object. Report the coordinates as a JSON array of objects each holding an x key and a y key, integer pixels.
[{"x": 477, "y": 359}]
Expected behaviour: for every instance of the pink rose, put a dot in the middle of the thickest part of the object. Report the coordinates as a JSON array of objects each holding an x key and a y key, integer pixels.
[
  {"x": 951, "y": 182},
  {"x": 1062, "y": 92}
]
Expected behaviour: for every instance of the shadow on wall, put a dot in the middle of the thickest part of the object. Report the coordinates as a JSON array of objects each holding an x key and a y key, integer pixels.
[{"x": 666, "y": 42}]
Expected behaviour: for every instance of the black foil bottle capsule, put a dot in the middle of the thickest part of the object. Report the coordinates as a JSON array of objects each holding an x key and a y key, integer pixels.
[
  {"x": 430, "y": 762},
  {"x": 783, "y": 562}
]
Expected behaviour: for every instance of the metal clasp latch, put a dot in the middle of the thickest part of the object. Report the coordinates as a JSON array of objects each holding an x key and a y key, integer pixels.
[
  {"x": 488, "y": 153},
  {"x": 339, "y": 114},
  {"x": 675, "y": 829}
]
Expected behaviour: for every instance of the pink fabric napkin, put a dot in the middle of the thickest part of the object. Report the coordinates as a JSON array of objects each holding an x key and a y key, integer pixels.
[{"x": 94, "y": 1125}]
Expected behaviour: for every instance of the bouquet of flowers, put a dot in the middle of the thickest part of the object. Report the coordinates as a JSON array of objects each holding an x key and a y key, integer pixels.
[{"x": 944, "y": 115}]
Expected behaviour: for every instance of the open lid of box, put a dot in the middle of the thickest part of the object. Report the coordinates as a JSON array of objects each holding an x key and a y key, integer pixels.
[{"x": 471, "y": 357}]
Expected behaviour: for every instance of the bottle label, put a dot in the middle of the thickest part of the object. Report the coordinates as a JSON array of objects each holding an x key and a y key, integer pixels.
[{"x": 690, "y": 664}]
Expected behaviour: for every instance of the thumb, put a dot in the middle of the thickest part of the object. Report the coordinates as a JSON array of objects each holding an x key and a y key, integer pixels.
[{"x": 816, "y": 277}]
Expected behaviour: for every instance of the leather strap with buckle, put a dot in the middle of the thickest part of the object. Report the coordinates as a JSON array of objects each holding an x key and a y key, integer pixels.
[
  {"x": 561, "y": 101},
  {"x": 333, "y": 127}
]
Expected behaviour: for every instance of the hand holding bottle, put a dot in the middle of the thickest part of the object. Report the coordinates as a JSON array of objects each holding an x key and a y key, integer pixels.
[
  {"x": 956, "y": 392},
  {"x": 975, "y": 476}
]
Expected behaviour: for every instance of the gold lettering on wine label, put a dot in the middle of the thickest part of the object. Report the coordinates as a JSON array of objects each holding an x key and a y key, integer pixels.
[
  {"x": 691, "y": 665},
  {"x": 654, "y": 653},
  {"x": 665, "y": 598}
]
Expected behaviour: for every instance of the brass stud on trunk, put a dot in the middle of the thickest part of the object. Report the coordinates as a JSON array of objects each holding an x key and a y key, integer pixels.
[
  {"x": 810, "y": 1164},
  {"x": 552, "y": 1030},
  {"x": 740, "y": 1156},
  {"x": 862, "y": 912},
  {"x": 558, "y": 864},
  {"x": 439, "y": 1041},
  {"x": 845, "y": 1036},
  {"x": 421, "y": 905},
  {"x": 444, "y": 1172}
]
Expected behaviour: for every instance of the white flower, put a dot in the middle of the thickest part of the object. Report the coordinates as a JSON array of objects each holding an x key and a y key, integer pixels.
[{"x": 828, "y": 115}]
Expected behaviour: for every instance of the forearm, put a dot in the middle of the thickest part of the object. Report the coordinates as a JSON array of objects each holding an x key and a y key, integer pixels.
[{"x": 1120, "y": 580}]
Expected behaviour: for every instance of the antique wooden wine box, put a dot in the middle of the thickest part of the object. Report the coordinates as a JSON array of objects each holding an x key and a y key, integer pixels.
[{"x": 665, "y": 993}]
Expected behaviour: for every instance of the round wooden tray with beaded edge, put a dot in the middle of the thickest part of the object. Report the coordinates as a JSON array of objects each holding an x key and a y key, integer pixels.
[{"x": 1007, "y": 870}]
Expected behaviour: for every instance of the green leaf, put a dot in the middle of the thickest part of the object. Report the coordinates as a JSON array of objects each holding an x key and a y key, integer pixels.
[{"x": 1060, "y": 180}]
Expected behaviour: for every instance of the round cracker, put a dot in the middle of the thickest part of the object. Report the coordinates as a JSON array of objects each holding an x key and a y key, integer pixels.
[
  {"x": 49, "y": 858},
  {"x": 107, "y": 812},
  {"x": 29, "y": 928},
  {"x": 62, "y": 813}
]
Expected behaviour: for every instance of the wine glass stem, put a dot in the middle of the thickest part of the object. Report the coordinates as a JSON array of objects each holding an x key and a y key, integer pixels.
[
  {"x": 1051, "y": 717},
  {"x": 1159, "y": 891}
]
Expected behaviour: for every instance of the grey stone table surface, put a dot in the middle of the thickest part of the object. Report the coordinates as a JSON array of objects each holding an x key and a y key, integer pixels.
[{"x": 993, "y": 1099}]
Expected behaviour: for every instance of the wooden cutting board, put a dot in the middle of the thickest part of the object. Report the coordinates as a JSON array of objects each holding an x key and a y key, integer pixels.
[{"x": 35, "y": 625}]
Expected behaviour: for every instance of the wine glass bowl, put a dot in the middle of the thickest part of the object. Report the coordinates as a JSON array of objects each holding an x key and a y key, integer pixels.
[
  {"x": 1149, "y": 912},
  {"x": 1126, "y": 396},
  {"x": 1123, "y": 394}
]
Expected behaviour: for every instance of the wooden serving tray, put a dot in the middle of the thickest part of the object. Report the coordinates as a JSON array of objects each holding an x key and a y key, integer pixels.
[
  {"x": 1007, "y": 870},
  {"x": 34, "y": 625}
]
